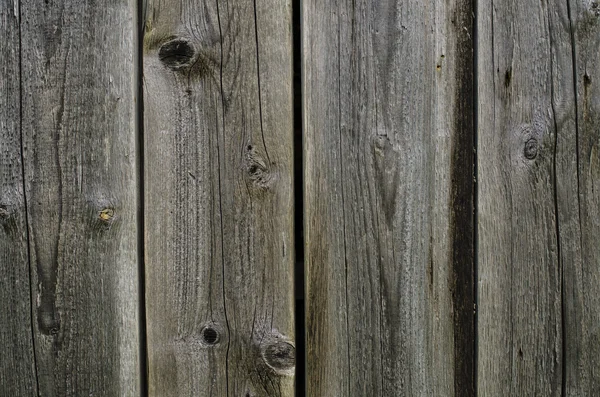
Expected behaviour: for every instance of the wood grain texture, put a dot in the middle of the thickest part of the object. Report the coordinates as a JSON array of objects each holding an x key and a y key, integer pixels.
[
  {"x": 17, "y": 362},
  {"x": 527, "y": 187},
  {"x": 578, "y": 168},
  {"x": 79, "y": 127},
  {"x": 218, "y": 127},
  {"x": 388, "y": 121}
]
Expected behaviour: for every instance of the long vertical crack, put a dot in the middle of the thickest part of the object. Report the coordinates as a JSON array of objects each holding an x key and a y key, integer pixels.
[
  {"x": 260, "y": 112},
  {"x": 221, "y": 204},
  {"x": 342, "y": 196},
  {"x": 574, "y": 77},
  {"x": 558, "y": 244},
  {"x": 557, "y": 216},
  {"x": 19, "y": 14}
]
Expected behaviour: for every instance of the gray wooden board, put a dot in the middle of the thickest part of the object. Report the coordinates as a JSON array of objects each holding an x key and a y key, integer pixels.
[
  {"x": 79, "y": 81},
  {"x": 388, "y": 162},
  {"x": 17, "y": 366},
  {"x": 527, "y": 188},
  {"x": 218, "y": 132},
  {"x": 578, "y": 168}
]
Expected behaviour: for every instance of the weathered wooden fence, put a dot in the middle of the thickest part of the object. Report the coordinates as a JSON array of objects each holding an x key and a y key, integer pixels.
[{"x": 182, "y": 215}]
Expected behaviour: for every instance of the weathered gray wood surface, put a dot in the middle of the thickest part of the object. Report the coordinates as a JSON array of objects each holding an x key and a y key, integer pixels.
[
  {"x": 528, "y": 195},
  {"x": 78, "y": 93},
  {"x": 388, "y": 152},
  {"x": 578, "y": 170},
  {"x": 218, "y": 131},
  {"x": 388, "y": 102},
  {"x": 17, "y": 366}
]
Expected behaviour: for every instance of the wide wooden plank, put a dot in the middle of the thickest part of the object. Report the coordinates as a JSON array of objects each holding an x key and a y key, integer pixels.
[
  {"x": 218, "y": 131},
  {"x": 388, "y": 121},
  {"x": 526, "y": 180},
  {"x": 79, "y": 126},
  {"x": 17, "y": 365},
  {"x": 579, "y": 206}
]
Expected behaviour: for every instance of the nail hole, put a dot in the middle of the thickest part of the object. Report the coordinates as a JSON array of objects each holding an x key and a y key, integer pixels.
[{"x": 210, "y": 336}]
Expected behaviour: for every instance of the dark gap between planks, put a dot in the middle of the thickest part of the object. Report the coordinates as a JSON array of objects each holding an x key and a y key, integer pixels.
[
  {"x": 299, "y": 205},
  {"x": 475, "y": 40},
  {"x": 141, "y": 15}
]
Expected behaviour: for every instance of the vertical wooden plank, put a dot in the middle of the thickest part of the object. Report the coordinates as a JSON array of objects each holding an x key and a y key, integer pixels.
[
  {"x": 388, "y": 121},
  {"x": 579, "y": 206},
  {"x": 527, "y": 185},
  {"x": 17, "y": 362},
  {"x": 79, "y": 125},
  {"x": 218, "y": 130}
]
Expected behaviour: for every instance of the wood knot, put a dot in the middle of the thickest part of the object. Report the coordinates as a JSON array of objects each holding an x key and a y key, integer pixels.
[
  {"x": 595, "y": 8},
  {"x": 530, "y": 138},
  {"x": 507, "y": 77},
  {"x": 106, "y": 215},
  {"x": 258, "y": 171},
  {"x": 176, "y": 54},
  {"x": 531, "y": 149},
  {"x": 279, "y": 355},
  {"x": 48, "y": 316},
  {"x": 4, "y": 214},
  {"x": 8, "y": 221},
  {"x": 381, "y": 144}
]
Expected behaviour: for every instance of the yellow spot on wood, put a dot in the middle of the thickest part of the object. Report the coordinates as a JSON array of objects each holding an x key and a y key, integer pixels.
[{"x": 107, "y": 214}]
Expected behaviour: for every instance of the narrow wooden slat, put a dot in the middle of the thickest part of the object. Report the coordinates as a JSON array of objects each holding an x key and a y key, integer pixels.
[
  {"x": 527, "y": 185},
  {"x": 388, "y": 121},
  {"x": 578, "y": 167},
  {"x": 79, "y": 85},
  {"x": 218, "y": 130},
  {"x": 17, "y": 363}
]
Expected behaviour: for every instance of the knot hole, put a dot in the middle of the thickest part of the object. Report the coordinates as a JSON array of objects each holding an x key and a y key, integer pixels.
[
  {"x": 210, "y": 336},
  {"x": 176, "y": 53}
]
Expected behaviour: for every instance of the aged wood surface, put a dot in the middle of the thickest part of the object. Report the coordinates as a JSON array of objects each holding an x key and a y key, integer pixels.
[
  {"x": 78, "y": 93},
  {"x": 218, "y": 130},
  {"x": 578, "y": 168},
  {"x": 527, "y": 178},
  {"x": 388, "y": 159},
  {"x": 17, "y": 366}
]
